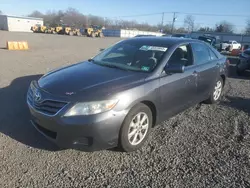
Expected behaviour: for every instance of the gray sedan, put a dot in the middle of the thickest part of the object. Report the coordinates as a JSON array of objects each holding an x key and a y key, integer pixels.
[{"x": 115, "y": 98}]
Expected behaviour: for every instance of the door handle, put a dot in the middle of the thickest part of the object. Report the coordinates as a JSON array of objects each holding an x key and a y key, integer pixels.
[{"x": 195, "y": 73}]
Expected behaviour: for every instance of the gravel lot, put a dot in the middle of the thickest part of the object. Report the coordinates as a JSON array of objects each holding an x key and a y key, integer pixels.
[{"x": 206, "y": 146}]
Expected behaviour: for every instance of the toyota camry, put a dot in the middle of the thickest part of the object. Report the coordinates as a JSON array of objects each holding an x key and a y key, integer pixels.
[{"x": 115, "y": 98}]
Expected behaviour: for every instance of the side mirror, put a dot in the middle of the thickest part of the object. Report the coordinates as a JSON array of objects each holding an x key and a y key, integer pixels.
[
  {"x": 101, "y": 49},
  {"x": 174, "y": 68}
]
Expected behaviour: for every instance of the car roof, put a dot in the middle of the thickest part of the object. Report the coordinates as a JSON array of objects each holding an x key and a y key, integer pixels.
[{"x": 164, "y": 40}]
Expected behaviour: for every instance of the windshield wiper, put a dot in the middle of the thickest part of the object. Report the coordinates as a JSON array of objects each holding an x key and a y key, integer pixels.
[
  {"x": 112, "y": 66},
  {"x": 91, "y": 60}
]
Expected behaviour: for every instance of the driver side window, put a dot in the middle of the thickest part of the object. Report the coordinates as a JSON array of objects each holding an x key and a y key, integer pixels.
[{"x": 182, "y": 55}]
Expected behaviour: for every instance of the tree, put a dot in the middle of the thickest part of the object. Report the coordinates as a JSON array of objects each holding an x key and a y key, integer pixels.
[
  {"x": 36, "y": 14},
  {"x": 166, "y": 28},
  {"x": 206, "y": 29},
  {"x": 73, "y": 18},
  {"x": 247, "y": 30},
  {"x": 225, "y": 27},
  {"x": 180, "y": 30},
  {"x": 189, "y": 23}
]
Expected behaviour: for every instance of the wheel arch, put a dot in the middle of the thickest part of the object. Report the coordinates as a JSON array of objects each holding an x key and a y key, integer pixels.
[
  {"x": 153, "y": 109},
  {"x": 223, "y": 79}
]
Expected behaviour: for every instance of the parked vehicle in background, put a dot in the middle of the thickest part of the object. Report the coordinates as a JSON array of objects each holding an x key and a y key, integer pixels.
[
  {"x": 244, "y": 62},
  {"x": 213, "y": 41},
  {"x": 181, "y": 35},
  {"x": 116, "y": 98},
  {"x": 230, "y": 45},
  {"x": 94, "y": 31},
  {"x": 38, "y": 28}
]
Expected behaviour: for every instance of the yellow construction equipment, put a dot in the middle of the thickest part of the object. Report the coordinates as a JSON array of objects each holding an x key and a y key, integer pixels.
[
  {"x": 51, "y": 30},
  {"x": 94, "y": 31},
  {"x": 39, "y": 29},
  {"x": 69, "y": 31},
  {"x": 42, "y": 29},
  {"x": 34, "y": 28}
]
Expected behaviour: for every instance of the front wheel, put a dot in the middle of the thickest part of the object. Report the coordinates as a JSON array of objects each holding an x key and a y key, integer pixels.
[
  {"x": 136, "y": 128},
  {"x": 101, "y": 35},
  {"x": 216, "y": 93},
  {"x": 93, "y": 35}
]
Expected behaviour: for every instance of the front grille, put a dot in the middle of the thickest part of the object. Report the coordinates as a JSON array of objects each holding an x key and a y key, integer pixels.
[{"x": 49, "y": 107}]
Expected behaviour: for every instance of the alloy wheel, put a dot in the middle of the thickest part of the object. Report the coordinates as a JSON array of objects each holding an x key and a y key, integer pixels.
[
  {"x": 217, "y": 90},
  {"x": 138, "y": 128}
]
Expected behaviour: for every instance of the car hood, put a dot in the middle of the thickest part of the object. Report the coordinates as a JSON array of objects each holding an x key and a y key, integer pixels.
[{"x": 87, "y": 76}]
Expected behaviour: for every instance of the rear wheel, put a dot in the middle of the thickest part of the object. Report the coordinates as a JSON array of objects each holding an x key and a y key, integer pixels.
[
  {"x": 216, "y": 93},
  {"x": 238, "y": 70},
  {"x": 136, "y": 128}
]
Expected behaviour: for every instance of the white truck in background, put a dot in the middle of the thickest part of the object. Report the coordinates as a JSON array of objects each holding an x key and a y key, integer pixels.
[{"x": 230, "y": 45}]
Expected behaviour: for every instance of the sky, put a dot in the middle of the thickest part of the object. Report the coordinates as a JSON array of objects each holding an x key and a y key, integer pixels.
[{"x": 127, "y": 9}]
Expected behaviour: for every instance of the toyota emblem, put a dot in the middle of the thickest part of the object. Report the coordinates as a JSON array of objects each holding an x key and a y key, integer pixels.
[{"x": 37, "y": 96}]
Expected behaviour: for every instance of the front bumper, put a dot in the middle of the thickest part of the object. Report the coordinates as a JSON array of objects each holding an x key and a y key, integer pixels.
[{"x": 87, "y": 133}]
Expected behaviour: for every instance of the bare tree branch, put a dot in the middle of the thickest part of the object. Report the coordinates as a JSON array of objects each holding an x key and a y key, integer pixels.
[
  {"x": 189, "y": 23},
  {"x": 247, "y": 30}
]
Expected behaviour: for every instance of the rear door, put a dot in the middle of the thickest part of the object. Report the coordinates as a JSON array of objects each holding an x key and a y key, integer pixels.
[
  {"x": 207, "y": 68},
  {"x": 178, "y": 91}
]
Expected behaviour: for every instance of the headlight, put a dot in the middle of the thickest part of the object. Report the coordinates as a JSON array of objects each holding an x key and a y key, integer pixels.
[{"x": 88, "y": 108}]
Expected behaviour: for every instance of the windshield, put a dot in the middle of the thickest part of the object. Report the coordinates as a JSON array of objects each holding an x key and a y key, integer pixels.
[{"x": 132, "y": 55}]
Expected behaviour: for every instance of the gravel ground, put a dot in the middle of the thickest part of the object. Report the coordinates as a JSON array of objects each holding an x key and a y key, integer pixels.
[{"x": 205, "y": 146}]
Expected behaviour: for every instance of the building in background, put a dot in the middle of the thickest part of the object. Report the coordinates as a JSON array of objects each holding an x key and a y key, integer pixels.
[
  {"x": 18, "y": 23},
  {"x": 125, "y": 33}
]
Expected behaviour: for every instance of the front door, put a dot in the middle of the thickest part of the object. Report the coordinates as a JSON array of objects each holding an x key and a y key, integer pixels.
[{"x": 178, "y": 91}]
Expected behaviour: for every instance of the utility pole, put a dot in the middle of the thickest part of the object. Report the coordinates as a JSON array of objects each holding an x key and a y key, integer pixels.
[
  {"x": 162, "y": 21},
  {"x": 174, "y": 19}
]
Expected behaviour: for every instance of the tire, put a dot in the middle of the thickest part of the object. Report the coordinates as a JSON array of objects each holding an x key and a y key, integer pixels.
[
  {"x": 130, "y": 126},
  {"x": 214, "y": 98},
  {"x": 78, "y": 33},
  {"x": 238, "y": 71},
  {"x": 93, "y": 35},
  {"x": 101, "y": 35}
]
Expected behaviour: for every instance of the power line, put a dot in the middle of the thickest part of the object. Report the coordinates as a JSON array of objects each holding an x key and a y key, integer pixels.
[
  {"x": 186, "y": 13},
  {"x": 138, "y": 15},
  {"x": 179, "y": 23},
  {"x": 206, "y": 14}
]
